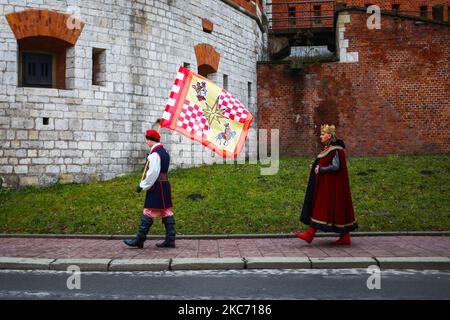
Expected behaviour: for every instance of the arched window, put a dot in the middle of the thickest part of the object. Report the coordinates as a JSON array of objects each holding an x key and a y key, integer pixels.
[
  {"x": 207, "y": 59},
  {"x": 42, "y": 62},
  {"x": 43, "y": 37}
]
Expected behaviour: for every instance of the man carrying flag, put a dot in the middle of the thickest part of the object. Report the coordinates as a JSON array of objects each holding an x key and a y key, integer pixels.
[
  {"x": 158, "y": 199},
  {"x": 202, "y": 111}
]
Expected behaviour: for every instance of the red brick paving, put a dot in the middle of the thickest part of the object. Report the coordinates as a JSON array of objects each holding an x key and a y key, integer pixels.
[{"x": 384, "y": 246}]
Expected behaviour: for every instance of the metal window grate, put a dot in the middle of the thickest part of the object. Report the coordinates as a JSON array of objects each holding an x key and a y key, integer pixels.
[{"x": 37, "y": 69}]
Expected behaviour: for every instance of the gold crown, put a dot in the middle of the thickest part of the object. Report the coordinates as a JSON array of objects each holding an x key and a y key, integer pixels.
[{"x": 330, "y": 129}]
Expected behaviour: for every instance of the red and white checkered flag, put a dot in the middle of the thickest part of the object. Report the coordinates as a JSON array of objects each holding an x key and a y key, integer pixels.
[
  {"x": 193, "y": 120},
  {"x": 232, "y": 108},
  {"x": 201, "y": 110}
]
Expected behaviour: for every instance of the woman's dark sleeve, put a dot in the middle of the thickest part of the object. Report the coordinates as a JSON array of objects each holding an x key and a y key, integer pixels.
[{"x": 334, "y": 166}]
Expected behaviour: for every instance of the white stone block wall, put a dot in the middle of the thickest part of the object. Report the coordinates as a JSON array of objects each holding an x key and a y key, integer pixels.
[{"x": 97, "y": 132}]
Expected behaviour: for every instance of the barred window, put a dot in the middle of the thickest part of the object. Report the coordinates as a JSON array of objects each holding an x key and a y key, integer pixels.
[
  {"x": 396, "y": 8},
  {"x": 42, "y": 62},
  {"x": 424, "y": 11},
  {"x": 37, "y": 69}
]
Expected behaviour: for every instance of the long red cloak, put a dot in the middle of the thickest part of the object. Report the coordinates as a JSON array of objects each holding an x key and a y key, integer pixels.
[{"x": 328, "y": 202}]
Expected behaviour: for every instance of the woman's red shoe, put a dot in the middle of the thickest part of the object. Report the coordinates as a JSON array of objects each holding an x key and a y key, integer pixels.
[
  {"x": 344, "y": 239},
  {"x": 308, "y": 235}
]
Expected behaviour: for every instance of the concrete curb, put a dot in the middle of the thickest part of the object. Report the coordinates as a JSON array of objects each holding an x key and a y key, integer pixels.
[
  {"x": 342, "y": 262},
  {"x": 419, "y": 263},
  {"x": 11, "y": 263},
  {"x": 140, "y": 265},
  {"x": 83, "y": 264},
  {"x": 249, "y": 263},
  {"x": 207, "y": 264},
  {"x": 222, "y": 236},
  {"x": 278, "y": 263}
]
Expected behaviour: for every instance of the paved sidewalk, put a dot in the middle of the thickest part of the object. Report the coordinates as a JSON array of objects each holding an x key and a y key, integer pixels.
[
  {"x": 388, "y": 246},
  {"x": 364, "y": 249}
]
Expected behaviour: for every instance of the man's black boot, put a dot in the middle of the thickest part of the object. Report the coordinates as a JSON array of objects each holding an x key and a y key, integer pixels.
[
  {"x": 169, "y": 224},
  {"x": 146, "y": 223}
]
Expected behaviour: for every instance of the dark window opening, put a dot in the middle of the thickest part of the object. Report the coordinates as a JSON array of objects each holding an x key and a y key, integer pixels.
[
  {"x": 291, "y": 16},
  {"x": 249, "y": 93},
  {"x": 395, "y": 8},
  {"x": 42, "y": 62},
  {"x": 205, "y": 69},
  {"x": 424, "y": 11},
  {"x": 438, "y": 12},
  {"x": 98, "y": 67},
  {"x": 37, "y": 69},
  {"x": 317, "y": 12},
  {"x": 45, "y": 121},
  {"x": 340, "y": 5},
  {"x": 225, "y": 82}
]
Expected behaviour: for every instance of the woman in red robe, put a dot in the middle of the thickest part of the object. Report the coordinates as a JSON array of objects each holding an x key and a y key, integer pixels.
[{"x": 328, "y": 201}]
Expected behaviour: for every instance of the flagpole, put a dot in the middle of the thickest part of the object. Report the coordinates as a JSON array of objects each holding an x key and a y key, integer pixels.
[{"x": 145, "y": 170}]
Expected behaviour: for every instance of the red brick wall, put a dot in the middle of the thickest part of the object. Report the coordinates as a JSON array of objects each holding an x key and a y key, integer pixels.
[
  {"x": 248, "y": 5},
  {"x": 281, "y": 14},
  {"x": 395, "y": 100},
  {"x": 409, "y": 7},
  {"x": 43, "y": 23}
]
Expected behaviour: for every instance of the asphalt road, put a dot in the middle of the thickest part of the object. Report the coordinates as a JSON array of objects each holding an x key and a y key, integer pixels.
[{"x": 239, "y": 284}]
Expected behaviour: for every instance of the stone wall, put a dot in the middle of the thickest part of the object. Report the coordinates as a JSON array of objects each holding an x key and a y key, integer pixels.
[
  {"x": 389, "y": 94},
  {"x": 97, "y": 131}
]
